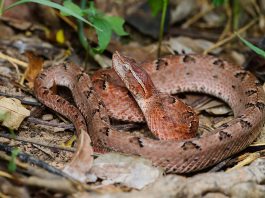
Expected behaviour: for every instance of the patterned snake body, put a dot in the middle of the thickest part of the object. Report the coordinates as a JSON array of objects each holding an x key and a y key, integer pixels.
[{"x": 173, "y": 74}]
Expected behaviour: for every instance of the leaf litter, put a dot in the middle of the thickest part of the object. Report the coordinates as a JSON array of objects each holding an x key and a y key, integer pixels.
[{"x": 110, "y": 169}]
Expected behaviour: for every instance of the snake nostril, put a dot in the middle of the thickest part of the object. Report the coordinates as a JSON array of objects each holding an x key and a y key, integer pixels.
[{"x": 171, "y": 100}]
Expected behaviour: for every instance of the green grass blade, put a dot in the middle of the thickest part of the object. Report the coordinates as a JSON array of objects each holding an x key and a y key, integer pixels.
[
  {"x": 53, "y": 5},
  {"x": 252, "y": 47},
  {"x": 12, "y": 163}
]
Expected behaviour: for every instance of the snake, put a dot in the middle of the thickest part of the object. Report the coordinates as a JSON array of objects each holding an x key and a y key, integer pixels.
[{"x": 142, "y": 92}]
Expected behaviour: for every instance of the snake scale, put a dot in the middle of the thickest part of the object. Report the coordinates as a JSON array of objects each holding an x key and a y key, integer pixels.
[{"x": 105, "y": 95}]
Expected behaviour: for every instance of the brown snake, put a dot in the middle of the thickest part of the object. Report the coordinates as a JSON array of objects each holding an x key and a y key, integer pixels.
[{"x": 172, "y": 74}]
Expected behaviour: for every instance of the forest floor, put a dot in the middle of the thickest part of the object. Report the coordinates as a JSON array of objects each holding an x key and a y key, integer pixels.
[{"x": 34, "y": 153}]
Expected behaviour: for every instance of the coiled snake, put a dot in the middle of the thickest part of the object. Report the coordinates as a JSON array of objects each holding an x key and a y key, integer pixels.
[{"x": 106, "y": 95}]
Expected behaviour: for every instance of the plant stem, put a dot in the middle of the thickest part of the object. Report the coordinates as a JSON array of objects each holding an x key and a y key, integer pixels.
[
  {"x": 162, "y": 25},
  {"x": 2, "y": 3},
  {"x": 82, "y": 37},
  {"x": 229, "y": 38},
  {"x": 236, "y": 12}
]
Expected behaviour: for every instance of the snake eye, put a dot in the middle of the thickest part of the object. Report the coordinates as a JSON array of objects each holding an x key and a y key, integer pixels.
[{"x": 126, "y": 67}]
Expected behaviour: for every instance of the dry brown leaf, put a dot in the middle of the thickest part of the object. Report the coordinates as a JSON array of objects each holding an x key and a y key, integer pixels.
[
  {"x": 82, "y": 159},
  {"x": 12, "y": 112},
  {"x": 133, "y": 172},
  {"x": 188, "y": 45},
  {"x": 33, "y": 69}
]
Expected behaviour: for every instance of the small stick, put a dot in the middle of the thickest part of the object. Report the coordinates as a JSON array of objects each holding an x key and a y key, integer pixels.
[
  {"x": 219, "y": 166},
  {"x": 36, "y": 142},
  {"x": 21, "y": 98},
  {"x": 197, "y": 17},
  {"x": 13, "y": 60},
  {"x": 49, "y": 153},
  {"x": 227, "y": 28},
  {"x": 224, "y": 41},
  {"x": 38, "y": 178},
  {"x": 42, "y": 122},
  {"x": 30, "y": 159},
  {"x": 249, "y": 159}
]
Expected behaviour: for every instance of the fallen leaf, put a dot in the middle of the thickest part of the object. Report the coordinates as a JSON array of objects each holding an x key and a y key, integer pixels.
[
  {"x": 221, "y": 110},
  {"x": 82, "y": 159},
  {"x": 70, "y": 142},
  {"x": 133, "y": 172},
  {"x": 12, "y": 112},
  {"x": 33, "y": 69},
  {"x": 186, "y": 45},
  {"x": 60, "y": 38},
  {"x": 182, "y": 9},
  {"x": 47, "y": 117}
]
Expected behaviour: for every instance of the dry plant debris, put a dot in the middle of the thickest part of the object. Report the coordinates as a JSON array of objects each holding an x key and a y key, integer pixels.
[{"x": 195, "y": 26}]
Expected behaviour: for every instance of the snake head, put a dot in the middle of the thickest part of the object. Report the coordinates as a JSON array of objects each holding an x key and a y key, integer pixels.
[{"x": 134, "y": 77}]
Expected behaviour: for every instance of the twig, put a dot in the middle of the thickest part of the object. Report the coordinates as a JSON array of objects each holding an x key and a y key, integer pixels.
[
  {"x": 44, "y": 151},
  {"x": 36, "y": 142},
  {"x": 30, "y": 159},
  {"x": 227, "y": 28},
  {"x": 126, "y": 127},
  {"x": 21, "y": 98},
  {"x": 52, "y": 183},
  {"x": 66, "y": 20},
  {"x": 193, "y": 33},
  {"x": 197, "y": 17},
  {"x": 42, "y": 122},
  {"x": 13, "y": 60},
  {"x": 224, "y": 41},
  {"x": 200, "y": 102},
  {"x": 16, "y": 68},
  {"x": 249, "y": 159},
  {"x": 219, "y": 166},
  {"x": 6, "y": 157},
  {"x": 56, "y": 185}
]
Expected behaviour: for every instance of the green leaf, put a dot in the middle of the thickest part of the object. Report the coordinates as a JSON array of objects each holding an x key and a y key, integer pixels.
[
  {"x": 91, "y": 11},
  {"x": 12, "y": 132},
  {"x": 2, "y": 7},
  {"x": 156, "y": 6},
  {"x": 253, "y": 47},
  {"x": 72, "y": 6},
  {"x": 104, "y": 35},
  {"x": 55, "y": 6},
  {"x": 116, "y": 24},
  {"x": 217, "y": 3},
  {"x": 12, "y": 163}
]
